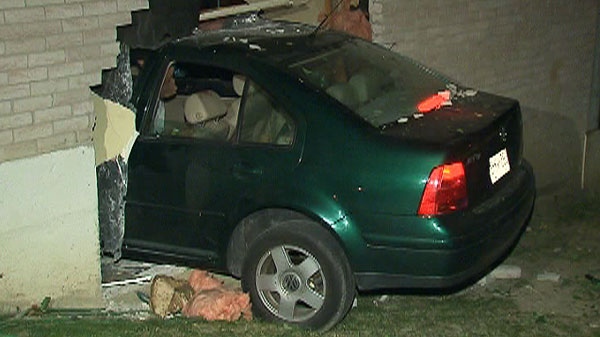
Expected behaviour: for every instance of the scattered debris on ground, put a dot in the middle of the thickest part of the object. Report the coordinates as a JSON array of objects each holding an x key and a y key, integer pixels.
[
  {"x": 168, "y": 295},
  {"x": 548, "y": 276},
  {"x": 165, "y": 290},
  {"x": 381, "y": 299},
  {"x": 201, "y": 295},
  {"x": 559, "y": 271},
  {"x": 506, "y": 272}
]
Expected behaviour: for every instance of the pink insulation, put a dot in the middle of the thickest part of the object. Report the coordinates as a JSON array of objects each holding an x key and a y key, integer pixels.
[
  {"x": 351, "y": 21},
  {"x": 202, "y": 280},
  {"x": 219, "y": 304},
  {"x": 202, "y": 295}
]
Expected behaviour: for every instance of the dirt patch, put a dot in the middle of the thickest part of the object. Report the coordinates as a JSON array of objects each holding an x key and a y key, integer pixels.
[{"x": 560, "y": 268}]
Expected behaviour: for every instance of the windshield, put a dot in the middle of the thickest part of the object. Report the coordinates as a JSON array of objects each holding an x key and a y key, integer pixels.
[{"x": 377, "y": 84}]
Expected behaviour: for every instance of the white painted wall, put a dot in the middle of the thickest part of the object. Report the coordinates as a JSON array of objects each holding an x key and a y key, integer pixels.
[{"x": 49, "y": 230}]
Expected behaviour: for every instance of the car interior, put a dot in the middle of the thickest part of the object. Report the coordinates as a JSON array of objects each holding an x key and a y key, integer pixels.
[{"x": 209, "y": 107}]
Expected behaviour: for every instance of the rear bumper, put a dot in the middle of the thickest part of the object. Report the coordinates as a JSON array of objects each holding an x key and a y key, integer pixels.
[{"x": 467, "y": 254}]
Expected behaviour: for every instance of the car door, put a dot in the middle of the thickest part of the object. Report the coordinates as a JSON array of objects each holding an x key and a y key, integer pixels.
[{"x": 187, "y": 190}]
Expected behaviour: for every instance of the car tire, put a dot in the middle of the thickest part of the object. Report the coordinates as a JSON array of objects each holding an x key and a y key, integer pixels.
[{"x": 297, "y": 273}]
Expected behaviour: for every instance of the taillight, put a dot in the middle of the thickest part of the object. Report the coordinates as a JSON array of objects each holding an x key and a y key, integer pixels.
[{"x": 445, "y": 191}]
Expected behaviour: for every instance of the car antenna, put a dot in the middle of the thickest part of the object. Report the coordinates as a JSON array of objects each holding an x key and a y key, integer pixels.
[{"x": 327, "y": 16}]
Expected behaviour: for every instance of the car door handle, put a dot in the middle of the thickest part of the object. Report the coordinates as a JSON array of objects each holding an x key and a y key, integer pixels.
[{"x": 244, "y": 169}]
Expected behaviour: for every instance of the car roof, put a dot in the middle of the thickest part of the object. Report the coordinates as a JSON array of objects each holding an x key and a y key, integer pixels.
[{"x": 277, "y": 40}]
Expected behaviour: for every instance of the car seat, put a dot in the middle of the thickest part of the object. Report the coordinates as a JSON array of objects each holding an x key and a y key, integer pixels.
[
  {"x": 233, "y": 110},
  {"x": 344, "y": 93},
  {"x": 204, "y": 110},
  {"x": 366, "y": 86}
]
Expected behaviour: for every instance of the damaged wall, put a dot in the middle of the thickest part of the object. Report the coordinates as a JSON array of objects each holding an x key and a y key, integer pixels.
[
  {"x": 51, "y": 52},
  {"x": 540, "y": 52}
]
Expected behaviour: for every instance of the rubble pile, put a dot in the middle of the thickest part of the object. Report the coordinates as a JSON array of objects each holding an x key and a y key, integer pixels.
[{"x": 201, "y": 295}]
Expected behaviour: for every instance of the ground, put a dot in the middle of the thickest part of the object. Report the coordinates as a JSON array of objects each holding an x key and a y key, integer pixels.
[
  {"x": 560, "y": 279},
  {"x": 556, "y": 294},
  {"x": 564, "y": 246}
]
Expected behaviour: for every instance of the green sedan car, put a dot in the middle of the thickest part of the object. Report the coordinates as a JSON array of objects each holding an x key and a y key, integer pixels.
[{"x": 314, "y": 164}]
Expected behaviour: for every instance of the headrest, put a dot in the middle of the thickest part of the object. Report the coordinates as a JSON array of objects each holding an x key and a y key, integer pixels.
[
  {"x": 238, "y": 84},
  {"x": 344, "y": 93},
  {"x": 367, "y": 85},
  {"x": 203, "y": 106}
]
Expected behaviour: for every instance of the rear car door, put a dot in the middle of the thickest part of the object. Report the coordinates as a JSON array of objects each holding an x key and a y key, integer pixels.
[{"x": 190, "y": 183}]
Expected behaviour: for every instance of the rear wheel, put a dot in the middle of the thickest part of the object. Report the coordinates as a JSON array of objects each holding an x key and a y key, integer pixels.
[{"x": 297, "y": 273}]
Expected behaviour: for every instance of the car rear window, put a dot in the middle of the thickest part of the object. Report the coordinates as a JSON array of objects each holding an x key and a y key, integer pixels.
[{"x": 379, "y": 85}]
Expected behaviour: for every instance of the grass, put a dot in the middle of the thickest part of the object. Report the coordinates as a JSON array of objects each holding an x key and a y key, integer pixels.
[
  {"x": 466, "y": 314},
  {"x": 456, "y": 315}
]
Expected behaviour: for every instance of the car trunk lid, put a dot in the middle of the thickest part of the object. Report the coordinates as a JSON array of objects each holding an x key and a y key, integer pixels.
[{"x": 482, "y": 131}]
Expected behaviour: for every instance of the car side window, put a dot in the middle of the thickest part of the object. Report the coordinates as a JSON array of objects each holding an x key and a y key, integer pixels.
[
  {"x": 263, "y": 121},
  {"x": 194, "y": 101}
]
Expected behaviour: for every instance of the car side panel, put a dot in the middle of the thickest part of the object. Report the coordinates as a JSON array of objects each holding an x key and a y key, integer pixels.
[{"x": 470, "y": 244}]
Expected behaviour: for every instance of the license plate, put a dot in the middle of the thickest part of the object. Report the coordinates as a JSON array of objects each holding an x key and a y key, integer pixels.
[{"x": 499, "y": 165}]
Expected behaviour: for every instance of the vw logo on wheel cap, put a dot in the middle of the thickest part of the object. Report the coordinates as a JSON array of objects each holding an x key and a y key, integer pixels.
[{"x": 291, "y": 282}]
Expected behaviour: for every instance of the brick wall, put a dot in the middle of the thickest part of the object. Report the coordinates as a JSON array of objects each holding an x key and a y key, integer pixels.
[
  {"x": 51, "y": 52},
  {"x": 539, "y": 51}
]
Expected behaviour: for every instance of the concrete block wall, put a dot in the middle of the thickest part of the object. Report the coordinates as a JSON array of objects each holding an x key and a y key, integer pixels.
[
  {"x": 51, "y": 52},
  {"x": 540, "y": 52}
]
